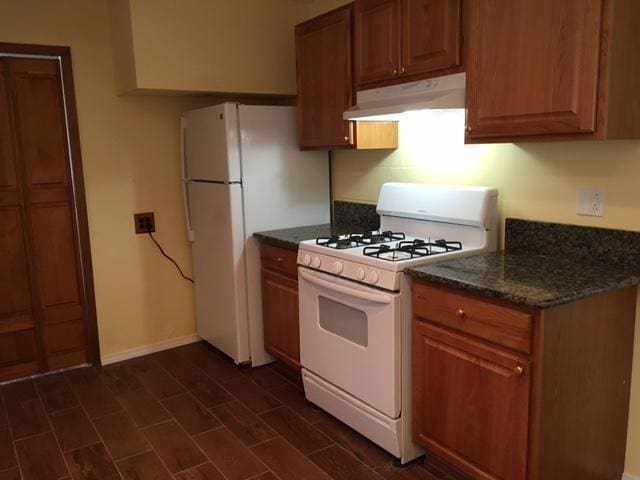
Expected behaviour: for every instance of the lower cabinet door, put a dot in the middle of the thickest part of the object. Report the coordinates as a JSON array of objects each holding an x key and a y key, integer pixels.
[
  {"x": 280, "y": 317},
  {"x": 470, "y": 403}
]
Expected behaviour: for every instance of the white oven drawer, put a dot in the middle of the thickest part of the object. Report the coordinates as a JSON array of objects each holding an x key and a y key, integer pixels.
[
  {"x": 350, "y": 336},
  {"x": 386, "y": 432}
]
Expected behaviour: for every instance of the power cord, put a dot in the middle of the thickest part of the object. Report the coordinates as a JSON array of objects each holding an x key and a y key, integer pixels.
[{"x": 168, "y": 257}]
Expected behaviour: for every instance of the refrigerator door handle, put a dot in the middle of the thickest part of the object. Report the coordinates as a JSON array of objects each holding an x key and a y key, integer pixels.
[{"x": 185, "y": 180}]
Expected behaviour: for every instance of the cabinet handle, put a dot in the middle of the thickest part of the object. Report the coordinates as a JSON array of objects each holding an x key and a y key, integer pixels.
[
  {"x": 395, "y": 72},
  {"x": 279, "y": 259},
  {"x": 467, "y": 129},
  {"x": 402, "y": 70},
  {"x": 461, "y": 314},
  {"x": 346, "y": 139},
  {"x": 519, "y": 371}
]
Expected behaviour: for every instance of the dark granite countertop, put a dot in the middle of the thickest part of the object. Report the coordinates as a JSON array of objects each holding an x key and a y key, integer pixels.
[
  {"x": 530, "y": 279},
  {"x": 291, "y": 237},
  {"x": 348, "y": 217}
]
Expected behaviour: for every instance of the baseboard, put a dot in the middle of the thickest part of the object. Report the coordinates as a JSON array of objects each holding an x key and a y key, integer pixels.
[
  {"x": 146, "y": 350},
  {"x": 628, "y": 476}
]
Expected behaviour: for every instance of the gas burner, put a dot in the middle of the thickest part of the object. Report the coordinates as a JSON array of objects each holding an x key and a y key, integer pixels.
[
  {"x": 339, "y": 242},
  {"x": 409, "y": 249},
  {"x": 352, "y": 240},
  {"x": 372, "y": 238}
]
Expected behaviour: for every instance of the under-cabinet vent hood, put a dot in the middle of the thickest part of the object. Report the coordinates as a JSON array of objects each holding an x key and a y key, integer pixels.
[{"x": 388, "y": 103}]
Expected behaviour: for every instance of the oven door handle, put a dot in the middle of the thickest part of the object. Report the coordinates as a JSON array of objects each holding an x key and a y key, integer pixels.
[{"x": 370, "y": 297}]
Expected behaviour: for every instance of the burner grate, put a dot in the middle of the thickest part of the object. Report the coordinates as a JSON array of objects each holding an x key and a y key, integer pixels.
[
  {"x": 406, "y": 250},
  {"x": 352, "y": 240}
]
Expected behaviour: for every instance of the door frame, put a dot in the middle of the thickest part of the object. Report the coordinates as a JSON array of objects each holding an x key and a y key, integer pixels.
[{"x": 63, "y": 54}]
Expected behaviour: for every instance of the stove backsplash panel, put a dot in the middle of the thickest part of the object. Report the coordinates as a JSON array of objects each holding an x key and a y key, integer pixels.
[
  {"x": 573, "y": 241},
  {"x": 359, "y": 216}
]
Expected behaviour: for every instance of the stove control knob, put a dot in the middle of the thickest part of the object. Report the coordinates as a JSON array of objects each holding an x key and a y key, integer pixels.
[
  {"x": 361, "y": 274},
  {"x": 306, "y": 259},
  {"x": 316, "y": 262},
  {"x": 374, "y": 277},
  {"x": 338, "y": 268}
]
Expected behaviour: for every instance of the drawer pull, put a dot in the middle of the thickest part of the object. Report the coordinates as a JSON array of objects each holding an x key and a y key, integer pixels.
[
  {"x": 519, "y": 371},
  {"x": 279, "y": 259},
  {"x": 461, "y": 314}
]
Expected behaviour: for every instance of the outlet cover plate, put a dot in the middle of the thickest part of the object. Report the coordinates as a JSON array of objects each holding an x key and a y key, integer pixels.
[
  {"x": 590, "y": 201},
  {"x": 144, "y": 222}
]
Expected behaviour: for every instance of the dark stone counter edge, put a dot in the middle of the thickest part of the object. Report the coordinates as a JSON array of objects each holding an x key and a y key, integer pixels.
[
  {"x": 605, "y": 287},
  {"x": 278, "y": 242}
]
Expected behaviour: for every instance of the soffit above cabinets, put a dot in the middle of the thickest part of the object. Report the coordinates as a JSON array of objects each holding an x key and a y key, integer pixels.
[{"x": 225, "y": 47}]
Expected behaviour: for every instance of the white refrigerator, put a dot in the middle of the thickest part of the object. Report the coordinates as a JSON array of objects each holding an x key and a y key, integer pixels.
[{"x": 243, "y": 173}]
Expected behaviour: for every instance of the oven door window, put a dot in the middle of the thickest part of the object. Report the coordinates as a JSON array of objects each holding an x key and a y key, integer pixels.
[{"x": 344, "y": 321}]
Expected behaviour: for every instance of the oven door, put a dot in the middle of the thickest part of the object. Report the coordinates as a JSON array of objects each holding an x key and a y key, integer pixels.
[{"x": 350, "y": 336}]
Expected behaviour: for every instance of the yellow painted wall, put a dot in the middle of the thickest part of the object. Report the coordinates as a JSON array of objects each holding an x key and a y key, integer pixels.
[
  {"x": 240, "y": 46},
  {"x": 535, "y": 181},
  {"x": 130, "y": 148}
]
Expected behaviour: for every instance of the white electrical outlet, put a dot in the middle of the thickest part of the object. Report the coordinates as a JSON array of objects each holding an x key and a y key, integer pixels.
[{"x": 590, "y": 201}]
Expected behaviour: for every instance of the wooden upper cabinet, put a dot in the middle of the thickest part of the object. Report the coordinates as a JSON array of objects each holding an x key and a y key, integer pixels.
[
  {"x": 325, "y": 82},
  {"x": 553, "y": 69},
  {"x": 377, "y": 40},
  {"x": 324, "y": 64},
  {"x": 406, "y": 40},
  {"x": 431, "y": 39},
  {"x": 534, "y": 66}
]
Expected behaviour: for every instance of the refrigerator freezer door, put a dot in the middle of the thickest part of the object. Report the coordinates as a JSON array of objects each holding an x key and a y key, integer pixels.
[
  {"x": 211, "y": 144},
  {"x": 282, "y": 187},
  {"x": 219, "y": 267}
]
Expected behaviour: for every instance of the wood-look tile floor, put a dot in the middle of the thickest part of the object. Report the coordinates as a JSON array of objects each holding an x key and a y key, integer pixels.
[{"x": 185, "y": 414}]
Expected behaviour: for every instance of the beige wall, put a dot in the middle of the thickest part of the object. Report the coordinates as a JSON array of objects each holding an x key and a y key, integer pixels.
[
  {"x": 130, "y": 149},
  {"x": 241, "y": 46},
  {"x": 536, "y": 181}
]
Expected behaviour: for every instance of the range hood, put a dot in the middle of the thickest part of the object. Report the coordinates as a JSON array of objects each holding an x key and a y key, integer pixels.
[{"x": 388, "y": 103}]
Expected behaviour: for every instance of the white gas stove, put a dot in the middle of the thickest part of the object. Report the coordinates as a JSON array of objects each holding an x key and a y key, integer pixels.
[
  {"x": 355, "y": 303},
  {"x": 419, "y": 224}
]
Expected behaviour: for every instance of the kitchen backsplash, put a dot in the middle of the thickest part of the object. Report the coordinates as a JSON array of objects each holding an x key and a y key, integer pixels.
[
  {"x": 573, "y": 241},
  {"x": 360, "y": 216}
]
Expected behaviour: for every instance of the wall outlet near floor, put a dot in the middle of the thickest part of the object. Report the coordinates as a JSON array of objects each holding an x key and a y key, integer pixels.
[
  {"x": 144, "y": 222},
  {"x": 590, "y": 201}
]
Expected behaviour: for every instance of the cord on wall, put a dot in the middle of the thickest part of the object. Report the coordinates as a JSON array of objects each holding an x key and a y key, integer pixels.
[{"x": 168, "y": 257}]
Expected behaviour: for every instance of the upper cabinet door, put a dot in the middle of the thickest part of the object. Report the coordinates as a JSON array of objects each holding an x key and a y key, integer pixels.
[
  {"x": 377, "y": 40},
  {"x": 431, "y": 38},
  {"x": 533, "y": 67},
  {"x": 325, "y": 82}
]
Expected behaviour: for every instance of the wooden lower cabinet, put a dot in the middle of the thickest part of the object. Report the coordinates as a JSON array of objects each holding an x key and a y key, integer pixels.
[
  {"x": 481, "y": 412},
  {"x": 280, "y": 304},
  {"x": 499, "y": 413}
]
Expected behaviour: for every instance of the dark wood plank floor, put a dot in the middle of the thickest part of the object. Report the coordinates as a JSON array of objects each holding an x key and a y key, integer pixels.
[{"x": 186, "y": 414}]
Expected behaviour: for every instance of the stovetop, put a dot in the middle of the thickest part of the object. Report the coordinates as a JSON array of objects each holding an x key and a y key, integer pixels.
[{"x": 385, "y": 245}]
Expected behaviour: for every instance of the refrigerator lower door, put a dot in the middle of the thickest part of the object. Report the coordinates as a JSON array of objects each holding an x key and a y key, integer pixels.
[{"x": 219, "y": 267}]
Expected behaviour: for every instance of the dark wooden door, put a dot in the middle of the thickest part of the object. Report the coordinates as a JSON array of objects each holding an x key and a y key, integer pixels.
[
  {"x": 280, "y": 316},
  {"x": 470, "y": 403},
  {"x": 377, "y": 45},
  {"x": 431, "y": 36},
  {"x": 325, "y": 80},
  {"x": 44, "y": 223},
  {"x": 18, "y": 334},
  {"x": 533, "y": 67}
]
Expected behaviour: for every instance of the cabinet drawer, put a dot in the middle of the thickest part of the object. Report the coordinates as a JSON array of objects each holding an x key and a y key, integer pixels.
[
  {"x": 279, "y": 259},
  {"x": 503, "y": 326}
]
